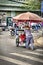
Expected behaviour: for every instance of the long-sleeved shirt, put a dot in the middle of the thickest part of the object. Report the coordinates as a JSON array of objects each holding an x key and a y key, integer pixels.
[{"x": 28, "y": 33}]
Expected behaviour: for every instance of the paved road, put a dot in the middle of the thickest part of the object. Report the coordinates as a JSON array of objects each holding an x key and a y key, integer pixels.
[{"x": 12, "y": 55}]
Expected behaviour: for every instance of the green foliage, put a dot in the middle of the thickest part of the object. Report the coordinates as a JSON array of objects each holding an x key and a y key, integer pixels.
[{"x": 33, "y": 5}]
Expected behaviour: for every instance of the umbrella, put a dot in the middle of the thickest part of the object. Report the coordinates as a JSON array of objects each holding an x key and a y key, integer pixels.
[{"x": 27, "y": 16}]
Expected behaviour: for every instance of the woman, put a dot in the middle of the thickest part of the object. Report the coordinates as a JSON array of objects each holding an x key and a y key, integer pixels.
[{"x": 29, "y": 38}]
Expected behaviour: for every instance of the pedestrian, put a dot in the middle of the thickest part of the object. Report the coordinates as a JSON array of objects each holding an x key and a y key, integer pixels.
[
  {"x": 16, "y": 29},
  {"x": 29, "y": 38}
]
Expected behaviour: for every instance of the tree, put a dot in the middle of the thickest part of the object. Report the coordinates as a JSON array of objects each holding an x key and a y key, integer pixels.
[{"x": 33, "y": 4}]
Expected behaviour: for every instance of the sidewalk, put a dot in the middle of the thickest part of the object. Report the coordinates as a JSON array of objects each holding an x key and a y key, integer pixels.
[{"x": 39, "y": 42}]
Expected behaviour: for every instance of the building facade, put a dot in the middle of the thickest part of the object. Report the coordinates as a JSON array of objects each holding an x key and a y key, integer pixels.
[{"x": 12, "y": 7}]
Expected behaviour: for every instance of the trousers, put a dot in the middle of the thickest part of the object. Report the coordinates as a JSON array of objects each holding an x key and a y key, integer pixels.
[{"x": 29, "y": 42}]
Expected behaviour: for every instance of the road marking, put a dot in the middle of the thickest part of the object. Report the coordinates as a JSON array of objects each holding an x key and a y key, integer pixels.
[
  {"x": 33, "y": 53},
  {"x": 28, "y": 57},
  {"x": 13, "y": 60},
  {"x": 39, "y": 50}
]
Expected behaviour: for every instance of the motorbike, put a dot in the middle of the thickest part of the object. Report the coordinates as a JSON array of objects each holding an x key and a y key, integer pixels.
[{"x": 12, "y": 31}]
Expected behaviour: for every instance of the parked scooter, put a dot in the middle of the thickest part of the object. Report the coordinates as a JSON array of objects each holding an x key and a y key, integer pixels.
[{"x": 12, "y": 31}]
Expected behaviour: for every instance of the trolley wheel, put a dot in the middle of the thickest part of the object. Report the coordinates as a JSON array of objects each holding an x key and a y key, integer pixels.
[{"x": 17, "y": 42}]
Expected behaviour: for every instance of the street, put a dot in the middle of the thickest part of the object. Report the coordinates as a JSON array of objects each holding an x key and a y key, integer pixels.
[{"x": 12, "y": 55}]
